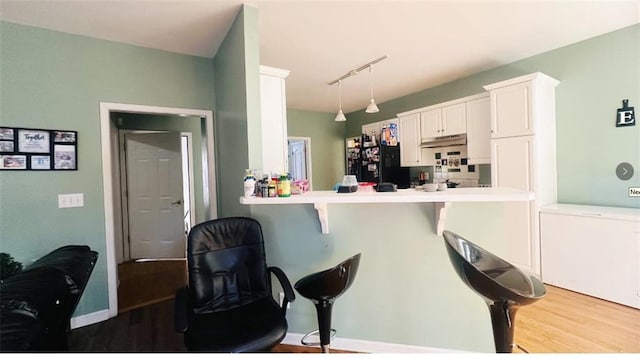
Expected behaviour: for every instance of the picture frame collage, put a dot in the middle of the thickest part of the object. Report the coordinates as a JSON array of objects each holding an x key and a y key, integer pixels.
[{"x": 38, "y": 149}]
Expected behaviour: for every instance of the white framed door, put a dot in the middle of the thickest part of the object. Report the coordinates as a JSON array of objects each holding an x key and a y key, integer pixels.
[
  {"x": 155, "y": 195},
  {"x": 299, "y": 158}
]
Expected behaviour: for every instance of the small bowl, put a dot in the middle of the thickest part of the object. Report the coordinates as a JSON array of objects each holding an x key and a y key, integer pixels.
[
  {"x": 430, "y": 187},
  {"x": 442, "y": 186}
]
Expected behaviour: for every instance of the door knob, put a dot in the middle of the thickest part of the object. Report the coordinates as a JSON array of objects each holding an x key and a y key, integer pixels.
[{"x": 178, "y": 202}]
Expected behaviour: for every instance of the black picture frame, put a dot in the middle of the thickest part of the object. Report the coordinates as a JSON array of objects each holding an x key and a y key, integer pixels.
[{"x": 37, "y": 149}]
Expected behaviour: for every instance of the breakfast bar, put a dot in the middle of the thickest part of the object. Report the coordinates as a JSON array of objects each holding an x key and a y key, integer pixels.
[{"x": 441, "y": 200}]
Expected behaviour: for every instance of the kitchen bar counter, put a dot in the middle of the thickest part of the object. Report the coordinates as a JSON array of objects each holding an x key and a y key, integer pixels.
[{"x": 441, "y": 199}]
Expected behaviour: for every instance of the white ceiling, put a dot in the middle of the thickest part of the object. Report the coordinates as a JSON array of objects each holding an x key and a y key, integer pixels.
[{"x": 428, "y": 42}]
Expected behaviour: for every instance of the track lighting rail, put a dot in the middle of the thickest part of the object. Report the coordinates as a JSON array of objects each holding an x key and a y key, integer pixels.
[{"x": 357, "y": 70}]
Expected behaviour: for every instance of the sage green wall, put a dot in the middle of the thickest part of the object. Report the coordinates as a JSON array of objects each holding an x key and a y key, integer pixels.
[
  {"x": 176, "y": 124},
  {"x": 238, "y": 109},
  {"x": 327, "y": 145},
  {"x": 595, "y": 76},
  {"x": 54, "y": 80}
]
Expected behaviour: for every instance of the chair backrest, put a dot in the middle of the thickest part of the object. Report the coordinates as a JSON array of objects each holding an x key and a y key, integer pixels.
[
  {"x": 227, "y": 265},
  {"x": 331, "y": 283},
  {"x": 488, "y": 274}
]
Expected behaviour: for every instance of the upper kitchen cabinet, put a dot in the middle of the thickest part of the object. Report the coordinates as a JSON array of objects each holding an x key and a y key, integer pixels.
[
  {"x": 520, "y": 105},
  {"x": 409, "y": 136},
  {"x": 443, "y": 121},
  {"x": 273, "y": 107},
  {"x": 479, "y": 131}
]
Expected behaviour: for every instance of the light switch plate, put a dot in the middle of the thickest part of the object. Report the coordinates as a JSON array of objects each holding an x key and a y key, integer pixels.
[{"x": 70, "y": 200}]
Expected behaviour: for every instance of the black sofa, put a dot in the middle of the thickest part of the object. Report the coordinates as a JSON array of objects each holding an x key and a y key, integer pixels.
[{"x": 36, "y": 304}]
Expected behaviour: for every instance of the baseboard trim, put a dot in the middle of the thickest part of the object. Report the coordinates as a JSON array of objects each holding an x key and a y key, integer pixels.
[
  {"x": 89, "y": 319},
  {"x": 363, "y": 346}
]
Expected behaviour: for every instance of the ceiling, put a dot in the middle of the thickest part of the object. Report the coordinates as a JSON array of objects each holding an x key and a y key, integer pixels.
[{"x": 427, "y": 42}]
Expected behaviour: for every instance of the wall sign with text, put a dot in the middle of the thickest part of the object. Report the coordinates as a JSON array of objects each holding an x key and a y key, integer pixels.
[
  {"x": 626, "y": 115},
  {"x": 38, "y": 149}
]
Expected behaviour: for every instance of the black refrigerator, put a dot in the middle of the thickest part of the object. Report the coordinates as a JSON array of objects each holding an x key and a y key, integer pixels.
[{"x": 381, "y": 164}]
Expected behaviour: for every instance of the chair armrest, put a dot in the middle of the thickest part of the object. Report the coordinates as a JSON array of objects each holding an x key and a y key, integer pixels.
[
  {"x": 289, "y": 295},
  {"x": 181, "y": 310}
]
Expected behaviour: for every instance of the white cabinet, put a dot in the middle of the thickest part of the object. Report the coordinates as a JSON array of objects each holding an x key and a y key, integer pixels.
[
  {"x": 511, "y": 111},
  {"x": 479, "y": 131},
  {"x": 273, "y": 108},
  {"x": 594, "y": 250},
  {"x": 523, "y": 156},
  {"x": 443, "y": 121},
  {"x": 409, "y": 136}
]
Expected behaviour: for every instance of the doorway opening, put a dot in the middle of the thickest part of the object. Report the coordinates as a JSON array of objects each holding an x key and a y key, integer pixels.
[{"x": 203, "y": 169}]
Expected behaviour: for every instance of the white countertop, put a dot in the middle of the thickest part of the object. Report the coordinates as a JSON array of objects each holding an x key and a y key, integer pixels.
[
  {"x": 441, "y": 200},
  {"x": 610, "y": 212},
  {"x": 401, "y": 196}
]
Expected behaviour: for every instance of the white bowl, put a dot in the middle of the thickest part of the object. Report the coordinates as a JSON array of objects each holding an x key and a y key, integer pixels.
[{"x": 430, "y": 187}]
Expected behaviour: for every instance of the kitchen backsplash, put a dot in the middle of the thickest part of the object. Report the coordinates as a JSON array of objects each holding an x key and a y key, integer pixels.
[{"x": 451, "y": 163}]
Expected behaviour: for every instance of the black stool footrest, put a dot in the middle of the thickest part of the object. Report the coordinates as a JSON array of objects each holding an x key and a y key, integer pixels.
[{"x": 316, "y": 332}]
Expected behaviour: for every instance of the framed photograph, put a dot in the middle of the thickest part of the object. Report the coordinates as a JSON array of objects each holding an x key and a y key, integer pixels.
[
  {"x": 33, "y": 141},
  {"x": 38, "y": 149},
  {"x": 6, "y": 146},
  {"x": 64, "y": 137},
  {"x": 13, "y": 162},
  {"x": 40, "y": 162},
  {"x": 64, "y": 157},
  {"x": 6, "y": 133}
]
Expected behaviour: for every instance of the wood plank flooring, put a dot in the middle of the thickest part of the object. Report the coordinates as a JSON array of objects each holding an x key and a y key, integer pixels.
[
  {"x": 568, "y": 322},
  {"x": 146, "y": 282},
  {"x": 562, "y": 322}
]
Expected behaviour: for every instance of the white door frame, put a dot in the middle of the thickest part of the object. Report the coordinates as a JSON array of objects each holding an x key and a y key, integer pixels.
[
  {"x": 110, "y": 177},
  {"x": 307, "y": 151}
]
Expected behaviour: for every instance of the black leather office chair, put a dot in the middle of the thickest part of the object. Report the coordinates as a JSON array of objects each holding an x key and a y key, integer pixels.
[
  {"x": 228, "y": 305},
  {"x": 322, "y": 288},
  {"x": 503, "y": 286}
]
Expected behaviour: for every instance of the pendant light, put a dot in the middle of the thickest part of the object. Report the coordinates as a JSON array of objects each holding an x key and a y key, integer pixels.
[
  {"x": 340, "y": 116},
  {"x": 372, "y": 107}
]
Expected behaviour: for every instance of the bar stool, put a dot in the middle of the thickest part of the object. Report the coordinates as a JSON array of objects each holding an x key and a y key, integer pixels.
[
  {"x": 322, "y": 288},
  {"x": 504, "y": 287}
]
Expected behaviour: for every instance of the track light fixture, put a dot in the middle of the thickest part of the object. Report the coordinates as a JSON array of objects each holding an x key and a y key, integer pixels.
[{"x": 372, "y": 107}]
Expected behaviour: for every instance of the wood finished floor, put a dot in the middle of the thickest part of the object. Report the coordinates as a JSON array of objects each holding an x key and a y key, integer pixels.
[
  {"x": 146, "y": 282},
  {"x": 562, "y": 322}
]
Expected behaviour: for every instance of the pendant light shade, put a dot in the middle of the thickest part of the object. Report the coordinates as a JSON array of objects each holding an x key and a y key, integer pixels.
[
  {"x": 340, "y": 116},
  {"x": 372, "y": 107}
]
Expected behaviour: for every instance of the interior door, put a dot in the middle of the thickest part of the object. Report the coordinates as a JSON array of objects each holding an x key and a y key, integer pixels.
[
  {"x": 297, "y": 160},
  {"x": 154, "y": 188}
]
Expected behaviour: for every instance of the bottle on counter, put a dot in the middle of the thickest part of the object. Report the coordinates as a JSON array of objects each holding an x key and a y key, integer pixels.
[
  {"x": 284, "y": 186},
  {"x": 271, "y": 188},
  {"x": 249, "y": 184}
]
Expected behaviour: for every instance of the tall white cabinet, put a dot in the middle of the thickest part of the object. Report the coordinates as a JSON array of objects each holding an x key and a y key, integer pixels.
[
  {"x": 523, "y": 156},
  {"x": 273, "y": 108}
]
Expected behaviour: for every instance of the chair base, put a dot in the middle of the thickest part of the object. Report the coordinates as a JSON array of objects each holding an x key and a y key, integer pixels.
[
  {"x": 324, "y": 347},
  {"x": 503, "y": 317}
]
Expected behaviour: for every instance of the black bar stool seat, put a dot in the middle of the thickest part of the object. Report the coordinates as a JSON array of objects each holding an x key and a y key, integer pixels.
[
  {"x": 323, "y": 288},
  {"x": 503, "y": 286}
]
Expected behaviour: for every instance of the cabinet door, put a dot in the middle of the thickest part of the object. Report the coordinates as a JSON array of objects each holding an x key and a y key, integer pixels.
[
  {"x": 409, "y": 136},
  {"x": 479, "y": 131},
  {"x": 511, "y": 111},
  {"x": 274, "y": 124},
  {"x": 430, "y": 124},
  {"x": 511, "y": 167},
  {"x": 454, "y": 120}
]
